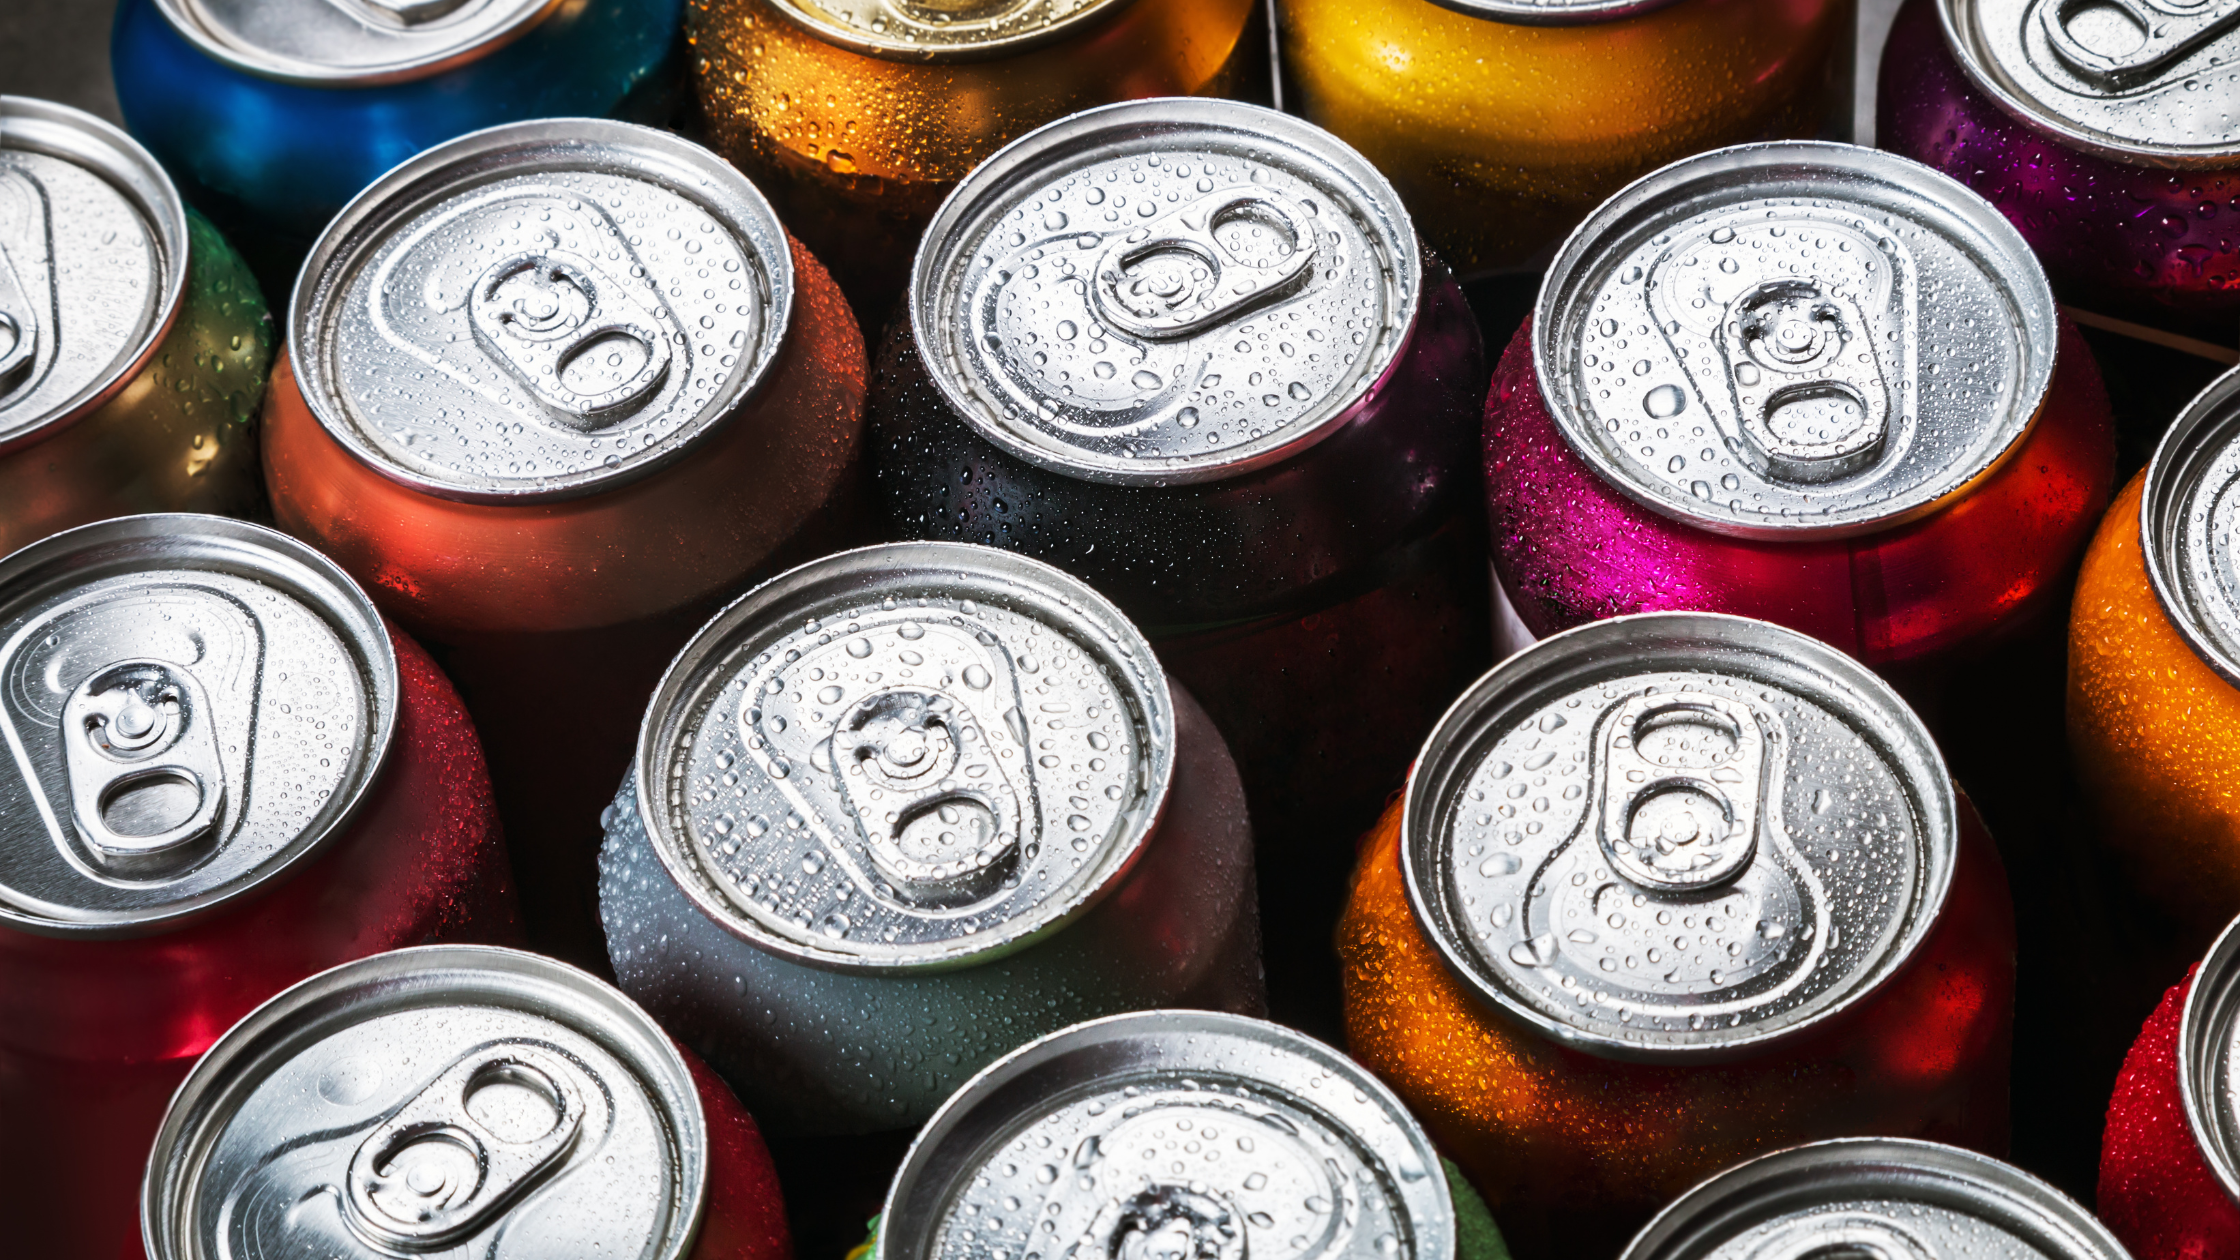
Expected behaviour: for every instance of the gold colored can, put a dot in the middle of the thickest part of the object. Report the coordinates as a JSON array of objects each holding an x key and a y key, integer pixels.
[
  {"x": 856, "y": 117},
  {"x": 1503, "y": 122}
]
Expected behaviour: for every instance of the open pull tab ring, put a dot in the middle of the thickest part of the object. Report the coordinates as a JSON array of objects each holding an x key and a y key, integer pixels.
[
  {"x": 19, "y": 313},
  {"x": 575, "y": 337},
  {"x": 2154, "y": 36},
  {"x": 943, "y": 12},
  {"x": 146, "y": 785},
  {"x": 1813, "y": 400},
  {"x": 1682, "y": 788},
  {"x": 940, "y": 840},
  {"x": 1163, "y": 1221},
  {"x": 1849, "y": 1236},
  {"x": 400, "y": 13},
  {"x": 1174, "y": 277}
]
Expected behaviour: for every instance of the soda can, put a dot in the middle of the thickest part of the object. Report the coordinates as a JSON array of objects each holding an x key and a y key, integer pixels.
[
  {"x": 1504, "y": 122},
  {"x": 858, "y": 118},
  {"x": 133, "y": 342},
  {"x": 554, "y": 392},
  {"x": 2115, "y": 152},
  {"x": 1875, "y": 1196},
  {"x": 1811, "y": 383},
  {"x": 223, "y": 774},
  {"x": 1666, "y": 892},
  {"x": 272, "y": 114},
  {"x": 906, "y": 808},
  {"x": 463, "y": 1100},
  {"x": 1171, "y": 1133}
]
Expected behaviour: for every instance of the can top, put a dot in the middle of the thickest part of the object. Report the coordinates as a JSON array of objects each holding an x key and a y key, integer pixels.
[
  {"x": 2208, "y": 1067},
  {"x": 351, "y": 43},
  {"x": 944, "y": 30},
  {"x": 2188, "y": 511},
  {"x": 1893, "y": 1198},
  {"x": 442, "y": 1098},
  {"x": 1216, "y": 1135},
  {"x": 541, "y": 310},
  {"x": 1551, "y": 12},
  {"x": 1794, "y": 340},
  {"x": 191, "y": 705},
  {"x": 1678, "y": 835},
  {"x": 913, "y": 755},
  {"x": 1165, "y": 291},
  {"x": 2147, "y": 82},
  {"x": 93, "y": 261}
]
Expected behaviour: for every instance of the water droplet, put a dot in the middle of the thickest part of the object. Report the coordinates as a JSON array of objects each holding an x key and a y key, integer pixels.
[
  {"x": 859, "y": 648},
  {"x": 829, "y": 695},
  {"x": 1664, "y": 401},
  {"x": 976, "y": 677}
]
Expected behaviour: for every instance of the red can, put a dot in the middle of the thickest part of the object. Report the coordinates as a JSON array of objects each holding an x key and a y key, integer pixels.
[{"x": 223, "y": 773}]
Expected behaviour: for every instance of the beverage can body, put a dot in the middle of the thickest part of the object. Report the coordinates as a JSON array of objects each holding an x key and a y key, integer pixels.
[{"x": 2157, "y": 1191}]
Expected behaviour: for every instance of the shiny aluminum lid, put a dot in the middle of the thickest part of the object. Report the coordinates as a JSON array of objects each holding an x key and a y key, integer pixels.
[
  {"x": 93, "y": 259},
  {"x": 944, "y": 30},
  {"x": 2189, "y": 511},
  {"x": 348, "y": 43},
  {"x": 1794, "y": 340},
  {"x": 541, "y": 310},
  {"x": 1889, "y": 1198},
  {"x": 913, "y": 755},
  {"x": 1678, "y": 835},
  {"x": 1165, "y": 291},
  {"x": 2208, "y": 1067},
  {"x": 460, "y": 1100},
  {"x": 2149, "y": 82},
  {"x": 191, "y": 706},
  {"x": 1171, "y": 1133}
]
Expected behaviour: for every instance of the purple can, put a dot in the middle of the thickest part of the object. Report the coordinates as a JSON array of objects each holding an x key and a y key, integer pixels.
[{"x": 2108, "y": 133}]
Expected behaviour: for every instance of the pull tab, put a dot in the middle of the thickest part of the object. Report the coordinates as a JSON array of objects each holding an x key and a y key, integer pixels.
[
  {"x": 1814, "y": 406},
  {"x": 937, "y": 12},
  {"x": 23, "y": 247},
  {"x": 1174, "y": 277},
  {"x": 575, "y": 336},
  {"x": 145, "y": 782},
  {"x": 2137, "y": 40},
  {"x": 1682, "y": 776},
  {"x": 1846, "y": 1236},
  {"x": 401, "y": 13},
  {"x": 1163, "y": 1222},
  {"x": 488, "y": 1129},
  {"x": 938, "y": 841}
]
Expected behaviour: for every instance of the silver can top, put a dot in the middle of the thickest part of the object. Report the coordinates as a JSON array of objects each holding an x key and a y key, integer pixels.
[
  {"x": 2148, "y": 82},
  {"x": 945, "y": 30},
  {"x": 541, "y": 310},
  {"x": 2189, "y": 510},
  {"x": 2208, "y": 1067},
  {"x": 1171, "y": 1133},
  {"x": 913, "y": 755},
  {"x": 461, "y": 1099},
  {"x": 93, "y": 260},
  {"x": 191, "y": 706},
  {"x": 351, "y": 43},
  {"x": 1165, "y": 291},
  {"x": 1678, "y": 835},
  {"x": 1743, "y": 340},
  {"x": 1891, "y": 1198}
]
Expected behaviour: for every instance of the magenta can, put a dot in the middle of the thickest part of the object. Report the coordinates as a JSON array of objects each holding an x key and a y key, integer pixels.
[{"x": 2108, "y": 133}]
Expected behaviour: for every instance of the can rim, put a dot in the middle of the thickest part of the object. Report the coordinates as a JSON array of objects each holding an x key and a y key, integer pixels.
[
  {"x": 989, "y": 1085},
  {"x": 439, "y": 173},
  {"x": 1526, "y": 13},
  {"x": 691, "y": 671},
  {"x": 2036, "y": 325},
  {"x": 936, "y": 54},
  {"x": 1925, "y": 1168},
  {"x": 2212, "y": 1007},
  {"x": 2164, "y": 489},
  {"x": 76, "y": 136},
  {"x": 74, "y": 555},
  {"x": 1554, "y": 661},
  {"x": 987, "y": 192},
  {"x": 1976, "y": 66},
  {"x": 311, "y": 74},
  {"x": 200, "y": 1106}
]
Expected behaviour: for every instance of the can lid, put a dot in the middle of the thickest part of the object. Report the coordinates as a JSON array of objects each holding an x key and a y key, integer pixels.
[
  {"x": 1551, "y": 12},
  {"x": 1892, "y": 1198},
  {"x": 435, "y": 1099},
  {"x": 913, "y": 755},
  {"x": 944, "y": 30},
  {"x": 1678, "y": 835},
  {"x": 93, "y": 260},
  {"x": 2146, "y": 82},
  {"x": 191, "y": 706},
  {"x": 2188, "y": 511},
  {"x": 1742, "y": 340},
  {"x": 2208, "y": 1067},
  {"x": 1217, "y": 1135},
  {"x": 1165, "y": 291},
  {"x": 541, "y": 310},
  {"x": 350, "y": 43}
]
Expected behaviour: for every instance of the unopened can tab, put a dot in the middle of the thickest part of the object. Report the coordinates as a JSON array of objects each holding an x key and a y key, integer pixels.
[
  {"x": 146, "y": 784},
  {"x": 23, "y": 252},
  {"x": 1176, "y": 276},
  {"x": 2131, "y": 42},
  {"x": 585, "y": 348}
]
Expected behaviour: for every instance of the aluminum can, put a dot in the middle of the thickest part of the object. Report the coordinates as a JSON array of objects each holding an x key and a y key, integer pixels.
[
  {"x": 2154, "y": 674},
  {"x": 554, "y": 392},
  {"x": 1666, "y": 892},
  {"x": 223, "y": 774},
  {"x": 903, "y": 809},
  {"x": 133, "y": 343},
  {"x": 272, "y": 114},
  {"x": 456, "y": 1099},
  {"x": 1810, "y": 383},
  {"x": 1875, "y": 1196},
  {"x": 859, "y": 116},
  {"x": 2120, "y": 165},
  {"x": 1504, "y": 122}
]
